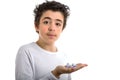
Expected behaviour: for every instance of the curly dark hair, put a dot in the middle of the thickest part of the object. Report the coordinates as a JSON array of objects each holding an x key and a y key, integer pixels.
[{"x": 51, "y": 5}]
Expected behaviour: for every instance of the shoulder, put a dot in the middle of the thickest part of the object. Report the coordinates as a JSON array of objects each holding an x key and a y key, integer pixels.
[
  {"x": 23, "y": 55},
  {"x": 26, "y": 46},
  {"x": 24, "y": 50}
]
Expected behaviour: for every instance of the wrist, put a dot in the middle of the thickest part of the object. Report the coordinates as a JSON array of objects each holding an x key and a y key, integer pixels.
[{"x": 56, "y": 74}]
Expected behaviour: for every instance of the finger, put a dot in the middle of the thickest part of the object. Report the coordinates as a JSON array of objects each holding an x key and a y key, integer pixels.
[
  {"x": 68, "y": 69},
  {"x": 80, "y": 66}
]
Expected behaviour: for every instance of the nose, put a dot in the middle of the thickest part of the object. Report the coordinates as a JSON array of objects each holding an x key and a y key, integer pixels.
[{"x": 51, "y": 27}]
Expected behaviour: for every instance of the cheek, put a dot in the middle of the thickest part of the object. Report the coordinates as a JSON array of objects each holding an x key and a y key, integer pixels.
[
  {"x": 59, "y": 32},
  {"x": 44, "y": 29}
]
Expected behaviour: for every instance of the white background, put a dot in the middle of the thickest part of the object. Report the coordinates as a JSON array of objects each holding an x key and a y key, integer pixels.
[{"x": 92, "y": 36}]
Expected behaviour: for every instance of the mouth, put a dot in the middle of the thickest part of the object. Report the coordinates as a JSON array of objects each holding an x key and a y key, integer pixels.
[{"x": 51, "y": 35}]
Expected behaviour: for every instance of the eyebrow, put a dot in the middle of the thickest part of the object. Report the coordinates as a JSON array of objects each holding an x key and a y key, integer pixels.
[{"x": 51, "y": 19}]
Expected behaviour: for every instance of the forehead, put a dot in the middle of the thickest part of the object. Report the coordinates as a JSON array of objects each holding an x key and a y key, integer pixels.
[{"x": 54, "y": 15}]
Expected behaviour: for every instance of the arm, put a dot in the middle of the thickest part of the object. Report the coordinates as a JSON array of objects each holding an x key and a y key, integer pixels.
[
  {"x": 23, "y": 66},
  {"x": 24, "y": 69}
]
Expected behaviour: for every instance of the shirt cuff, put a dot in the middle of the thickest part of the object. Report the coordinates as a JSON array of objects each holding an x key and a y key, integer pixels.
[{"x": 52, "y": 77}]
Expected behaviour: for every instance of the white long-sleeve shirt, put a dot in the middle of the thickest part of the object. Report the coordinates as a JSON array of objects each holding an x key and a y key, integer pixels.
[{"x": 35, "y": 63}]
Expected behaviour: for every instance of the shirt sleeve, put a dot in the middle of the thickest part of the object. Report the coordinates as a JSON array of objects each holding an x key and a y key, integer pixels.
[
  {"x": 24, "y": 68},
  {"x": 49, "y": 76}
]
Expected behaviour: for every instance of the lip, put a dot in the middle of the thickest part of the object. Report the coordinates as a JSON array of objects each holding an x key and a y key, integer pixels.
[{"x": 51, "y": 35}]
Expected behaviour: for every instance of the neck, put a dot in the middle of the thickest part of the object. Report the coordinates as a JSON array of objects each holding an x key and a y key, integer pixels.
[{"x": 48, "y": 47}]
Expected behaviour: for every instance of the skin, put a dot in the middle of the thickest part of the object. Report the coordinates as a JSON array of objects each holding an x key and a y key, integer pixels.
[
  {"x": 63, "y": 69},
  {"x": 50, "y": 28}
]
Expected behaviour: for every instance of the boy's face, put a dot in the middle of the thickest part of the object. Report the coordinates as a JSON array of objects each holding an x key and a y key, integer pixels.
[{"x": 50, "y": 26}]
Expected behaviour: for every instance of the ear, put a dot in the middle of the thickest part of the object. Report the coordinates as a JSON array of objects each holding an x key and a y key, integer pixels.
[{"x": 36, "y": 27}]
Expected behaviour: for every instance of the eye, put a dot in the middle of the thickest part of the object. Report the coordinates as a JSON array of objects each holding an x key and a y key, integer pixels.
[
  {"x": 46, "y": 22},
  {"x": 58, "y": 24}
]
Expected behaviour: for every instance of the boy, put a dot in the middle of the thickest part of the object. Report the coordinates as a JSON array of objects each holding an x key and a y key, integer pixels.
[{"x": 41, "y": 60}]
